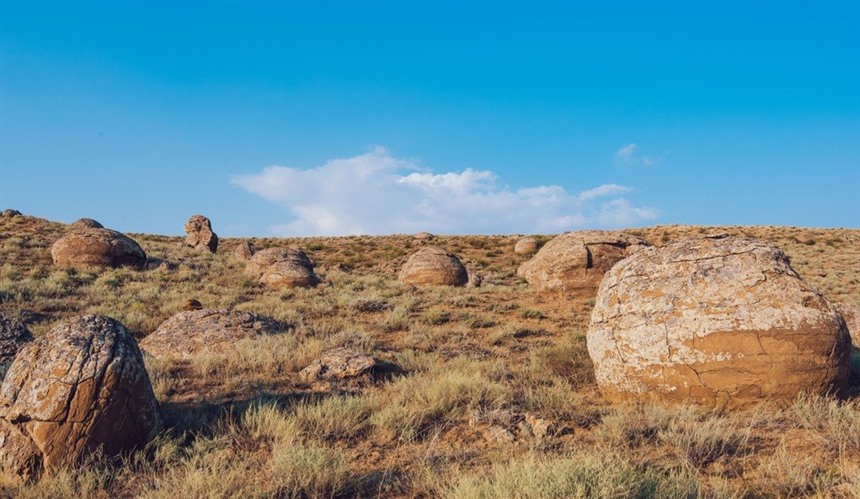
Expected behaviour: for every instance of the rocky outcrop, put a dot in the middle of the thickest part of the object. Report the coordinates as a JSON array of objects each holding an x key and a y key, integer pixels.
[
  {"x": 199, "y": 235},
  {"x": 280, "y": 267},
  {"x": 433, "y": 266},
  {"x": 10, "y": 213},
  {"x": 723, "y": 322},
  {"x": 13, "y": 336},
  {"x": 577, "y": 261},
  {"x": 97, "y": 246},
  {"x": 526, "y": 246},
  {"x": 340, "y": 363},
  {"x": 86, "y": 223},
  {"x": 195, "y": 331},
  {"x": 81, "y": 387},
  {"x": 424, "y": 237},
  {"x": 244, "y": 250}
]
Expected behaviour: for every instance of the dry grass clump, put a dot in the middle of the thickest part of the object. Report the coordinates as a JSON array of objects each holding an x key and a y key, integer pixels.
[{"x": 494, "y": 396}]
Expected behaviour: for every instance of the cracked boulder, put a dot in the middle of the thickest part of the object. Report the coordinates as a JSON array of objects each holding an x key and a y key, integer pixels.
[
  {"x": 13, "y": 336},
  {"x": 91, "y": 245},
  {"x": 195, "y": 331},
  {"x": 577, "y": 261},
  {"x": 199, "y": 235},
  {"x": 282, "y": 267},
  {"x": 433, "y": 266},
  {"x": 79, "y": 388},
  {"x": 724, "y": 322}
]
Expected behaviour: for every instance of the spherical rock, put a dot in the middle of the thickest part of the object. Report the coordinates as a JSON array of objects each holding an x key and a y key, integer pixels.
[
  {"x": 192, "y": 304},
  {"x": 95, "y": 246},
  {"x": 81, "y": 387},
  {"x": 424, "y": 236},
  {"x": 195, "y": 331},
  {"x": 13, "y": 336},
  {"x": 526, "y": 246},
  {"x": 576, "y": 261},
  {"x": 287, "y": 267},
  {"x": 86, "y": 223},
  {"x": 433, "y": 266},
  {"x": 723, "y": 322},
  {"x": 199, "y": 235}
]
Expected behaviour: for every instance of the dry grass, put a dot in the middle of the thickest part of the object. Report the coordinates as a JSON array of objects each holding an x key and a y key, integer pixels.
[{"x": 481, "y": 365}]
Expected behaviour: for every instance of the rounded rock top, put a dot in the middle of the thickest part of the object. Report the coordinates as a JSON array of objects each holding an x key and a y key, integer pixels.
[
  {"x": 433, "y": 266},
  {"x": 722, "y": 322},
  {"x": 97, "y": 246},
  {"x": 287, "y": 267}
]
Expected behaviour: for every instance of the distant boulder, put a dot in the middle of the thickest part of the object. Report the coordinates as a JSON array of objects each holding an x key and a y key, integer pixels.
[
  {"x": 282, "y": 267},
  {"x": 576, "y": 261},
  {"x": 192, "y": 304},
  {"x": 79, "y": 388},
  {"x": 433, "y": 266},
  {"x": 199, "y": 235},
  {"x": 97, "y": 246},
  {"x": 424, "y": 236},
  {"x": 244, "y": 250},
  {"x": 195, "y": 331},
  {"x": 526, "y": 246},
  {"x": 722, "y": 322},
  {"x": 86, "y": 223},
  {"x": 10, "y": 213},
  {"x": 340, "y": 363},
  {"x": 13, "y": 336}
]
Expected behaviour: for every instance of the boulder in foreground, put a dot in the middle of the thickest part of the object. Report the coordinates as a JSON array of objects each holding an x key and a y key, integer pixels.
[
  {"x": 722, "y": 322},
  {"x": 88, "y": 245}
]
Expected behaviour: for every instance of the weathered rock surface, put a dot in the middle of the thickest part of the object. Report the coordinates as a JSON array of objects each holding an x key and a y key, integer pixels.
[
  {"x": 526, "y": 246},
  {"x": 244, "y": 250},
  {"x": 723, "y": 322},
  {"x": 851, "y": 314},
  {"x": 86, "y": 223},
  {"x": 424, "y": 237},
  {"x": 192, "y": 304},
  {"x": 340, "y": 363},
  {"x": 433, "y": 266},
  {"x": 288, "y": 267},
  {"x": 81, "y": 387},
  {"x": 13, "y": 336},
  {"x": 95, "y": 246},
  {"x": 199, "y": 235},
  {"x": 10, "y": 213},
  {"x": 577, "y": 261},
  {"x": 196, "y": 331}
]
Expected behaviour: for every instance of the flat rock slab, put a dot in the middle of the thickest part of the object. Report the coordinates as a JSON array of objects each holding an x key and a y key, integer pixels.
[{"x": 340, "y": 363}]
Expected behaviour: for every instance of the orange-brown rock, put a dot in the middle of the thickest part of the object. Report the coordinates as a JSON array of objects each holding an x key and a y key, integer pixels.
[
  {"x": 340, "y": 363},
  {"x": 723, "y": 322},
  {"x": 192, "y": 332},
  {"x": 80, "y": 387},
  {"x": 199, "y": 235},
  {"x": 244, "y": 250},
  {"x": 287, "y": 267},
  {"x": 851, "y": 314},
  {"x": 433, "y": 266},
  {"x": 97, "y": 246},
  {"x": 576, "y": 261},
  {"x": 86, "y": 223},
  {"x": 13, "y": 336},
  {"x": 526, "y": 246},
  {"x": 192, "y": 304}
]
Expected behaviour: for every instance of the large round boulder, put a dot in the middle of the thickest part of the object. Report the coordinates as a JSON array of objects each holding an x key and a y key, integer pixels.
[
  {"x": 577, "y": 261},
  {"x": 13, "y": 336},
  {"x": 287, "y": 267},
  {"x": 722, "y": 322},
  {"x": 195, "y": 331},
  {"x": 199, "y": 235},
  {"x": 433, "y": 266},
  {"x": 97, "y": 246},
  {"x": 526, "y": 246},
  {"x": 79, "y": 388}
]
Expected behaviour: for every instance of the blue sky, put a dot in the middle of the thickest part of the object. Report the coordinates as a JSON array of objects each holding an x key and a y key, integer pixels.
[{"x": 293, "y": 118}]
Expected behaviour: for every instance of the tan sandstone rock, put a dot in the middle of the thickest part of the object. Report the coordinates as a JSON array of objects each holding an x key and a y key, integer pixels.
[
  {"x": 199, "y": 235},
  {"x": 13, "y": 336},
  {"x": 340, "y": 363},
  {"x": 97, "y": 246},
  {"x": 851, "y": 314},
  {"x": 81, "y": 387},
  {"x": 288, "y": 267},
  {"x": 577, "y": 261},
  {"x": 526, "y": 246},
  {"x": 86, "y": 223},
  {"x": 723, "y": 322},
  {"x": 244, "y": 250},
  {"x": 196, "y": 331},
  {"x": 433, "y": 266}
]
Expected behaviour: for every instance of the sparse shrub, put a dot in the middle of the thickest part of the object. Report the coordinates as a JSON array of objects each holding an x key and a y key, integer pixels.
[{"x": 531, "y": 313}]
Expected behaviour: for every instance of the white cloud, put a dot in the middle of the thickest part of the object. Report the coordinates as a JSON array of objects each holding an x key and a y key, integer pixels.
[
  {"x": 630, "y": 155},
  {"x": 626, "y": 152},
  {"x": 376, "y": 193}
]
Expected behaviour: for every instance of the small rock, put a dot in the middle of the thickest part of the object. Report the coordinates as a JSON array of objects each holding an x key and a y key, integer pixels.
[
  {"x": 10, "y": 213},
  {"x": 340, "y": 363},
  {"x": 475, "y": 281},
  {"x": 199, "y": 234},
  {"x": 86, "y": 223},
  {"x": 192, "y": 304}
]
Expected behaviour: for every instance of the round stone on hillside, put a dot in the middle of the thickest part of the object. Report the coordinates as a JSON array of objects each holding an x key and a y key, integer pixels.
[
  {"x": 723, "y": 322},
  {"x": 526, "y": 246},
  {"x": 80, "y": 388},
  {"x": 96, "y": 246},
  {"x": 196, "y": 331},
  {"x": 577, "y": 261},
  {"x": 282, "y": 267},
  {"x": 433, "y": 266},
  {"x": 86, "y": 223}
]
